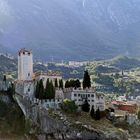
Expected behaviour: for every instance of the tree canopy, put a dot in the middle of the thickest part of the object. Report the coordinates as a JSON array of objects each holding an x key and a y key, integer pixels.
[
  {"x": 86, "y": 80},
  {"x": 45, "y": 93},
  {"x": 61, "y": 86},
  {"x": 73, "y": 83},
  {"x": 86, "y": 106}
]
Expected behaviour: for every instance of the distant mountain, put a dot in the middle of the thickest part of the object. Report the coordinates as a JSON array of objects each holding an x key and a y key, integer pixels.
[
  {"x": 124, "y": 63},
  {"x": 71, "y": 29},
  {"x": 115, "y": 65}
]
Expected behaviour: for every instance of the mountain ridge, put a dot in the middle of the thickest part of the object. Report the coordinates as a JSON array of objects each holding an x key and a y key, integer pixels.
[{"x": 71, "y": 29}]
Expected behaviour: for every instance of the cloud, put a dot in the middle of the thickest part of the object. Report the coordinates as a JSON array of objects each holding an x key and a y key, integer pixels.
[{"x": 5, "y": 13}]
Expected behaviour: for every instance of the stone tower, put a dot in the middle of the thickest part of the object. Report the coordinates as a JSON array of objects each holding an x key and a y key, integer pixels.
[{"x": 25, "y": 65}]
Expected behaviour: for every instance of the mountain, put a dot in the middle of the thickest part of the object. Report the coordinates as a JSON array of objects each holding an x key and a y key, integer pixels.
[
  {"x": 115, "y": 65},
  {"x": 125, "y": 63},
  {"x": 71, "y": 29}
]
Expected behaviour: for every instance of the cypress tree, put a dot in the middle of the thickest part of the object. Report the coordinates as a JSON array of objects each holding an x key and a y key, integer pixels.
[
  {"x": 92, "y": 112},
  {"x": 52, "y": 90},
  {"x": 4, "y": 78},
  {"x": 97, "y": 114},
  {"x": 41, "y": 89},
  {"x": 67, "y": 84},
  {"x": 61, "y": 84},
  {"x": 56, "y": 83},
  {"x": 11, "y": 89},
  {"x": 49, "y": 90},
  {"x": 86, "y": 106},
  {"x": 37, "y": 90},
  {"x": 86, "y": 80}
]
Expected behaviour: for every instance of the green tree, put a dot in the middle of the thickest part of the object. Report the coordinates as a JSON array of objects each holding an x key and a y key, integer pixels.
[
  {"x": 11, "y": 89},
  {"x": 52, "y": 89},
  {"x": 49, "y": 90},
  {"x": 69, "y": 106},
  {"x": 73, "y": 84},
  {"x": 92, "y": 112},
  {"x": 86, "y": 80},
  {"x": 61, "y": 84},
  {"x": 77, "y": 83},
  {"x": 67, "y": 84},
  {"x": 41, "y": 89},
  {"x": 86, "y": 106},
  {"x": 4, "y": 78},
  {"x": 37, "y": 90},
  {"x": 97, "y": 114},
  {"x": 56, "y": 83}
]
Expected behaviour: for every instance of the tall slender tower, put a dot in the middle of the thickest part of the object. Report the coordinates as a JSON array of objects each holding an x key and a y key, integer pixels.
[{"x": 25, "y": 65}]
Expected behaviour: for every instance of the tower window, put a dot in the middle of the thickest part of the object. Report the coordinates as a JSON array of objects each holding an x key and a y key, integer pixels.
[
  {"x": 75, "y": 95},
  {"x": 28, "y": 53},
  {"x": 23, "y": 52}
]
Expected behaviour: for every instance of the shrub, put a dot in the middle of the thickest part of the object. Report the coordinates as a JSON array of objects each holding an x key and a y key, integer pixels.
[
  {"x": 103, "y": 114},
  {"x": 69, "y": 106}
]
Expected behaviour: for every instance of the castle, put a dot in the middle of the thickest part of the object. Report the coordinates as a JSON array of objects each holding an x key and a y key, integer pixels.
[
  {"x": 25, "y": 84},
  {"x": 27, "y": 79}
]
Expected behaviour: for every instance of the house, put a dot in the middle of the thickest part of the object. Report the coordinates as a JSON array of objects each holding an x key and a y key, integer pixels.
[
  {"x": 130, "y": 107},
  {"x": 79, "y": 96}
]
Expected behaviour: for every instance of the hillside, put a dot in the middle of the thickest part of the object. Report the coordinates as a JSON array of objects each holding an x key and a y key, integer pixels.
[
  {"x": 71, "y": 29},
  {"x": 125, "y": 63},
  {"x": 8, "y": 66},
  {"x": 114, "y": 65}
]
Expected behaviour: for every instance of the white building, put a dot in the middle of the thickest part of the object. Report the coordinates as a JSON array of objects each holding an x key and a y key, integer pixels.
[
  {"x": 121, "y": 98},
  {"x": 25, "y": 65},
  {"x": 79, "y": 96},
  {"x": 75, "y": 64}
]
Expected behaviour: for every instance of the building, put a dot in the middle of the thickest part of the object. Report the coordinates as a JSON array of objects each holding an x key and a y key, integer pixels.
[
  {"x": 130, "y": 107},
  {"x": 121, "y": 98},
  {"x": 79, "y": 96},
  {"x": 75, "y": 64},
  {"x": 25, "y": 82},
  {"x": 51, "y": 75},
  {"x": 25, "y": 65},
  {"x": 26, "y": 88}
]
